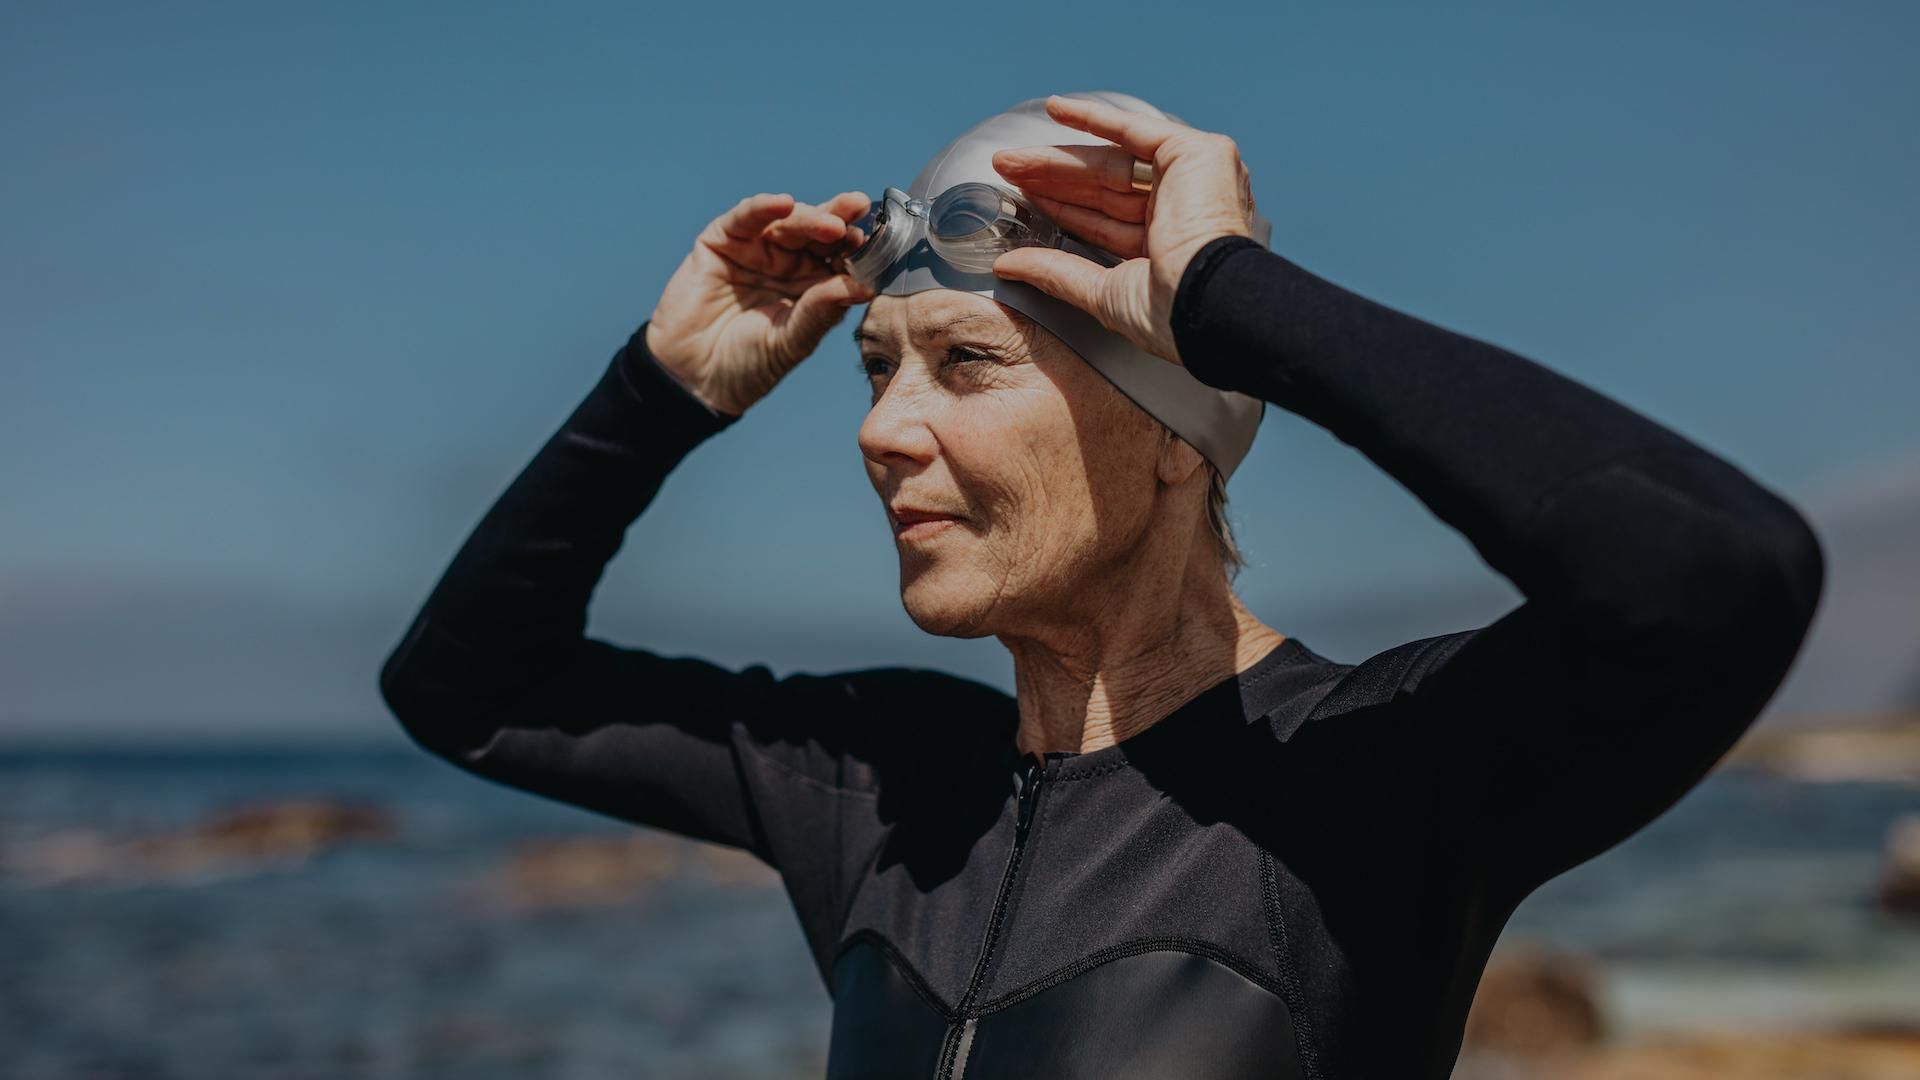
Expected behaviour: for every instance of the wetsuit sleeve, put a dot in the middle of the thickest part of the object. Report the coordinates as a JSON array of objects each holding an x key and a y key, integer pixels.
[
  {"x": 496, "y": 674},
  {"x": 1666, "y": 593}
]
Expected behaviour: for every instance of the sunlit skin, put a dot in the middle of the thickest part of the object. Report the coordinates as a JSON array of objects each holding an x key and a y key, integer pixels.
[
  {"x": 1082, "y": 543},
  {"x": 1080, "y": 538}
]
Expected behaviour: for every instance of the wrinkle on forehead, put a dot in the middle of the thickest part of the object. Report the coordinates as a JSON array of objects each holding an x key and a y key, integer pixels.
[{"x": 929, "y": 321}]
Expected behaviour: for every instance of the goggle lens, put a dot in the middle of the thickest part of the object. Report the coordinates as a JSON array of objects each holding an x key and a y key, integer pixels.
[
  {"x": 966, "y": 209},
  {"x": 969, "y": 225}
]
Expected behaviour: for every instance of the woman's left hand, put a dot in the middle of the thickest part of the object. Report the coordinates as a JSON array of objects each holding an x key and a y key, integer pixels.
[{"x": 1201, "y": 192}]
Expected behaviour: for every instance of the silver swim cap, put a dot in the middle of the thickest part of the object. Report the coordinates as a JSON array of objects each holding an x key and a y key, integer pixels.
[{"x": 1220, "y": 424}]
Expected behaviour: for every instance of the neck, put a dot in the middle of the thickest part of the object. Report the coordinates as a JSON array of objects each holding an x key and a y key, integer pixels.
[{"x": 1128, "y": 657}]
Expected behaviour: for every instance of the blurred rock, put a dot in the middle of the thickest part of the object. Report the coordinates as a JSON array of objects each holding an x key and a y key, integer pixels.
[
  {"x": 1888, "y": 1052},
  {"x": 1900, "y": 881},
  {"x": 60, "y": 857},
  {"x": 571, "y": 872},
  {"x": 730, "y": 866},
  {"x": 1534, "y": 1003},
  {"x": 288, "y": 830},
  {"x": 1882, "y": 747},
  {"x": 232, "y": 840},
  {"x": 292, "y": 826}
]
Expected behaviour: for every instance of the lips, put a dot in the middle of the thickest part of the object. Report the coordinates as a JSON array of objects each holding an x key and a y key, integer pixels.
[{"x": 906, "y": 517}]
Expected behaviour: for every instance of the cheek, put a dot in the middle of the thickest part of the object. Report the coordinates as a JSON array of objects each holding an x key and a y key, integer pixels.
[{"x": 1020, "y": 463}]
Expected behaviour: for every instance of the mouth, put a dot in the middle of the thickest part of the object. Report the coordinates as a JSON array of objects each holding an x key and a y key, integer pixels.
[{"x": 915, "y": 524}]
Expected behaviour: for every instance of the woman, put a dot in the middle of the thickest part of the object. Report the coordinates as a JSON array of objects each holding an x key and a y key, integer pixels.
[{"x": 1189, "y": 845}]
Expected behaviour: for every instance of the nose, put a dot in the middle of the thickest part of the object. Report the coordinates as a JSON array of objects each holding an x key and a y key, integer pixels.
[{"x": 897, "y": 432}]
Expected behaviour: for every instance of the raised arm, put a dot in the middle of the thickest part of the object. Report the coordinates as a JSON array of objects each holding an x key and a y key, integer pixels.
[
  {"x": 496, "y": 673},
  {"x": 1666, "y": 592}
]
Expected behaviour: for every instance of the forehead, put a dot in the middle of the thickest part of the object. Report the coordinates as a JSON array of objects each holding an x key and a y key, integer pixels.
[{"x": 935, "y": 313}]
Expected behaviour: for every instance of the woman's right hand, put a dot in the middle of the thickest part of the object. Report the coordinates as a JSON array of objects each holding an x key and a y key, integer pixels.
[{"x": 755, "y": 296}]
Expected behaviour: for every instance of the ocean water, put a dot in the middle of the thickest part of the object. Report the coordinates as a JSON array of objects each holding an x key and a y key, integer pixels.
[{"x": 404, "y": 955}]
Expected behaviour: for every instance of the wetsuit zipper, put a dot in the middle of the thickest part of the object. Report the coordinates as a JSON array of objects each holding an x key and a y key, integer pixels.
[{"x": 960, "y": 1031}]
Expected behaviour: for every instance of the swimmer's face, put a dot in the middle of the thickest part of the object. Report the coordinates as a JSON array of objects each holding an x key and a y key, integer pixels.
[{"x": 1053, "y": 475}]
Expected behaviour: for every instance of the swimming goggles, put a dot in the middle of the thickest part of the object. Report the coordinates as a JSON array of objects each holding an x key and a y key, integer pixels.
[{"x": 967, "y": 225}]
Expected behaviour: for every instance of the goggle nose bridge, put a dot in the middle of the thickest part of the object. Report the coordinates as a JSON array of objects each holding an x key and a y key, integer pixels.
[{"x": 973, "y": 252}]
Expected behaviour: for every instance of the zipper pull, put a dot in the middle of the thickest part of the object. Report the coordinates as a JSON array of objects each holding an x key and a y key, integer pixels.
[{"x": 1029, "y": 783}]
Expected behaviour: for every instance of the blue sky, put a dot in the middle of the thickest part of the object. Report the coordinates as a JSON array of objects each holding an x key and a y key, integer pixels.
[{"x": 288, "y": 294}]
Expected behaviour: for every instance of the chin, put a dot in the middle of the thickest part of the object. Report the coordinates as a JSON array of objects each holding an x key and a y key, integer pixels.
[{"x": 940, "y": 604}]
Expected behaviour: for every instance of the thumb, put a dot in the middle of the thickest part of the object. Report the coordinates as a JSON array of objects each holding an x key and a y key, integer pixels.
[
  {"x": 816, "y": 312},
  {"x": 1060, "y": 274}
]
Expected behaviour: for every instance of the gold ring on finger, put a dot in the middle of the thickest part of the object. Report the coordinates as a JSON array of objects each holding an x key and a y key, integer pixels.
[{"x": 1142, "y": 179}]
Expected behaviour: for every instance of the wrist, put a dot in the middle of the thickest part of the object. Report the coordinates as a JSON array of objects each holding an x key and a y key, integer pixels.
[
  {"x": 1189, "y": 302},
  {"x": 644, "y": 368},
  {"x": 651, "y": 354}
]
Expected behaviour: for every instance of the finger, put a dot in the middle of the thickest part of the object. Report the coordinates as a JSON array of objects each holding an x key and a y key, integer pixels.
[
  {"x": 1059, "y": 274},
  {"x": 825, "y": 229},
  {"x": 1130, "y": 208},
  {"x": 1067, "y": 179},
  {"x": 1125, "y": 239},
  {"x": 1139, "y": 133},
  {"x": 827, "y": 249},
  {"x": 1094, "y": 168},
  {"x": 806, "y": 224},
  {"x": 818, "y": 309},
  {"x": 848, "y": 206},
  {"x": 749, "y": 216}
]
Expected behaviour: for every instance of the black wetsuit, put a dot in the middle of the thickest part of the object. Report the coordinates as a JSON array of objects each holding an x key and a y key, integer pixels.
[{"x": 1298, "y": 873}]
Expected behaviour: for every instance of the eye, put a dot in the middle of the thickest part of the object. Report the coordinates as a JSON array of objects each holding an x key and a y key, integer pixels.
[{"x": 876, "y": 365}]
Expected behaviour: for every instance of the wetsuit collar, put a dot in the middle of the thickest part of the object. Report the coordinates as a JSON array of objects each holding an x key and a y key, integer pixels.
[{"x": 1198, "y": 725}]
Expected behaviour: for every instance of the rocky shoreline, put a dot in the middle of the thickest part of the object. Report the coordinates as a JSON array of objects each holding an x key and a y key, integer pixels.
[
  {"x": 1540, "y": 1015},
  {"x": 1882, "y": 747}
]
